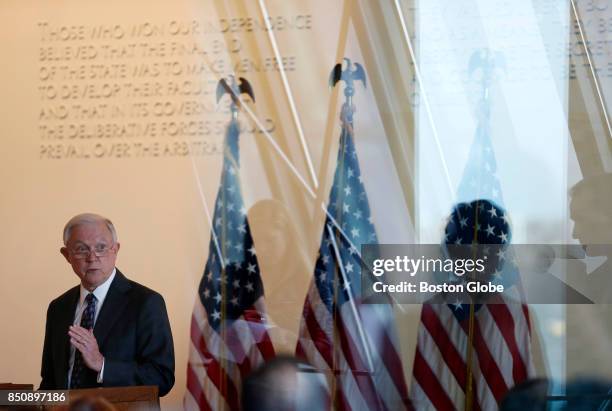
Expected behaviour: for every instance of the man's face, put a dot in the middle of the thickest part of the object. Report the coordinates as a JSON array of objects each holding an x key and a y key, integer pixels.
[
  {"x": 272, "y": 242},
  {"x": 592, "y": 225},
  {"x": 91, "y": 252}
]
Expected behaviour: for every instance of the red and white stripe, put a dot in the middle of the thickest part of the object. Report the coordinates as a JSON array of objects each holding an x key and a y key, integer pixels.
[
  {"x": 219, "y": 362},
  {"x": 501, "y": 356},
  {"x": 364, "y": 368}
]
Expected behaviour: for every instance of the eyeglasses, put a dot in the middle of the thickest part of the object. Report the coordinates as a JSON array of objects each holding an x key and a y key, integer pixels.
[{"x": 82, "y": 252}]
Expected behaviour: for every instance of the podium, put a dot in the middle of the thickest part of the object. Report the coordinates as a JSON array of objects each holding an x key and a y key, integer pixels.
[
  {"x": 11, "y": 386},
  {"x": 141, "y": 398}
]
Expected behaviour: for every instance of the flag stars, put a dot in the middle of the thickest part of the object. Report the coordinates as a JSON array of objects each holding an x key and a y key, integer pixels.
[
  {"x": 236, "y": 283},
  {"x": 503, "y": 237},
  {"x": 234, "y": 301},
  {"x": 350, "y": 172},
  {"x": 355, "y": 232},
  {"x": 206, "y": 293},
  {"x": 357, "y": 214},
  {"x": 463, "y": 222},
  {"x": 325, "y": 259},
  {"x": 216, "y": 315},
  {"x": 490, "y": 230},
  {"x": 242, "y": 228},
  {"x": 252, "y": 250},
  {"x": 348, "y": 267},
  {"x": 492, "y": 212},
  {"x": 251, "y": 268},
  {"x": 249, "y": 287},
  {"x": 347, "y": 190},
  {"x": 218, "y": 298},
  {"x": 346, "y": 207},
  {"x": 505, "y": 218}
]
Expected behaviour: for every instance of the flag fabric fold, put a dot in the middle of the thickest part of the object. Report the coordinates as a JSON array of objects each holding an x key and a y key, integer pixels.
[{"x": 229, "y": 336}]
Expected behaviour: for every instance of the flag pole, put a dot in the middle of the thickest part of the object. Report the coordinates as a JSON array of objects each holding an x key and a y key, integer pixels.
[
  {"x": 469, "y": 389},
  {"x": 485, "y": 60},
  {"x": 351, "y": 72},
  {"x": 470, "y": 352},
  {"x": 234, "y": 89}
]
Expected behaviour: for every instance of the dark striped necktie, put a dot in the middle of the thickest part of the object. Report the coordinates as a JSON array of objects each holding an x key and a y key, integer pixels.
[{"x": 87, "y": 322}]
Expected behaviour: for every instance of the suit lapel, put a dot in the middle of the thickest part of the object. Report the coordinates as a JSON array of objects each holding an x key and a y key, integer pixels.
[
  {"x": 114, "y": 303},
  {"x": 65, "y": 320}
]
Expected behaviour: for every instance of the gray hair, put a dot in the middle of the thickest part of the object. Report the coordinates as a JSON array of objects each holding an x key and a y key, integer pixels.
[{"x": 88, "y": 218}]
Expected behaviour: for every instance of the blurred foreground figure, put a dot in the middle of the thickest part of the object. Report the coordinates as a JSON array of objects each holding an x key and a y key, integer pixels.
[
  {"x": 529, "y": 395},
  {"x": 284, "y": 384},
  {"x": 588, "y": 394},
  {"x": 91, "y": 404}
]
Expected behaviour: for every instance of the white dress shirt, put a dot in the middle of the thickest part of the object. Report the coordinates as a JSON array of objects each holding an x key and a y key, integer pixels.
[{"x": 100, "y": 294}]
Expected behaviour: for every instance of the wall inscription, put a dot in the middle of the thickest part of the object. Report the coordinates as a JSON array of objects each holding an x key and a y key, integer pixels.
[{"x": 147, "y": 89}]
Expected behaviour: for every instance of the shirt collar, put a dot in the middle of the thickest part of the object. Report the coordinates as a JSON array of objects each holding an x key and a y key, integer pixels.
[{"x": 100, "y": 291}]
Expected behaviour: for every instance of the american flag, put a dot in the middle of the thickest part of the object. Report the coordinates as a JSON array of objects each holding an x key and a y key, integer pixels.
[
  {"x": 229, "y": 337},
  {"x": 501, "y": 352},
  {"x": 353, "y": 343}
]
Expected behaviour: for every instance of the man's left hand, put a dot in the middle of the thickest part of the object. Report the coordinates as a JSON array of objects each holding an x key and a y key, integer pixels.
[{"x": 85, "y": 341}]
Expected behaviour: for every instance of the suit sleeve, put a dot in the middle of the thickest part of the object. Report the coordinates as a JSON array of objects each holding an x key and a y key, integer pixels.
[
  {"x": 47, "y": 368},
  {"x": 154, "y": 364}
]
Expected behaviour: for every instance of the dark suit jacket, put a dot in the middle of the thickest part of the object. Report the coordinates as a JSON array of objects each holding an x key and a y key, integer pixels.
[{"x": 133, "y": 334}]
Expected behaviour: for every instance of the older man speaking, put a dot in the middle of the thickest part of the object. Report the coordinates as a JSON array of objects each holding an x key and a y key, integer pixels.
[{"x": 109, "y": 330}]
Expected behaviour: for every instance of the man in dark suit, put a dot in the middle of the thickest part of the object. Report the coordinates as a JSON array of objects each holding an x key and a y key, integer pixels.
[{"x": 109, "y": 330}]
